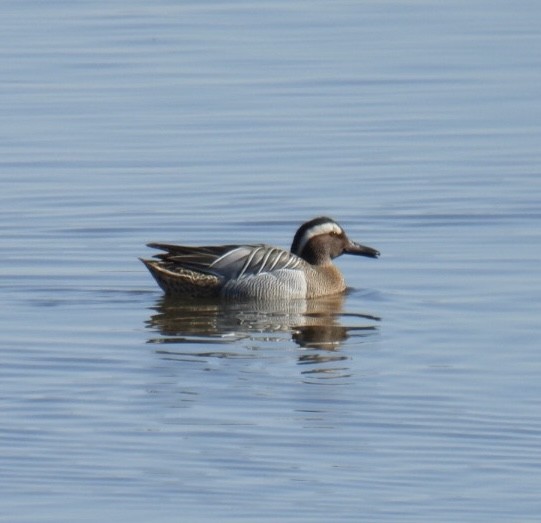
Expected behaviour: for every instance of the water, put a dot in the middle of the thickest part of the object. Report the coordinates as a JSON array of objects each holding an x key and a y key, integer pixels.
[{"x": 415, "y": 397}]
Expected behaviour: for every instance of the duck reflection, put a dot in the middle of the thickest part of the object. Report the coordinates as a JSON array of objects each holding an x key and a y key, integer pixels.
[{"x": 315, "y": 324}]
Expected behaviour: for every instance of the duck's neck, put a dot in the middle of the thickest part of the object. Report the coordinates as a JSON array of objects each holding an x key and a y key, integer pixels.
[{"x": 326, "y": 279}]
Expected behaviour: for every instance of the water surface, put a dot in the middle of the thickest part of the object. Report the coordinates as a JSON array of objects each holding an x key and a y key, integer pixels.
[{"x": 414, "y": 397}]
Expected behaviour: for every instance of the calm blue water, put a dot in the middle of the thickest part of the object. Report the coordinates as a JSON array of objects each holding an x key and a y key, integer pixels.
[{"x": 416, "y": 397}]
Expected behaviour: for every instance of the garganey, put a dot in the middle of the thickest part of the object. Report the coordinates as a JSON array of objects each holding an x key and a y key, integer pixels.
[{"x": 259, "y": 272}]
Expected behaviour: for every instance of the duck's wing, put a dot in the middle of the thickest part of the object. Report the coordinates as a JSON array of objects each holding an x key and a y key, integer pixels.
[
  {"x": 249, "y": 260},
  {"x": 229, "y": 261},
  {"x": 203, "y": 256}
]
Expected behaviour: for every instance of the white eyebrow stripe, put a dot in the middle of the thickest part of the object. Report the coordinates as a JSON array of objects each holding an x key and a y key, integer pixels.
[{"x": 316, "y": 230}]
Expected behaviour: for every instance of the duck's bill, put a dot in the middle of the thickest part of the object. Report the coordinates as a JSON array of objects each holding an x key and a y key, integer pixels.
[{"x": 361, "y": 250}]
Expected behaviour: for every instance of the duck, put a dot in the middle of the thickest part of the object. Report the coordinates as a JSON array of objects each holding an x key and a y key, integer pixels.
[{"x": 259, "y": 271}]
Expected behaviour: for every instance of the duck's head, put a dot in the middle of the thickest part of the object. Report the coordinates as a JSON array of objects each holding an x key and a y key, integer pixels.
[{"x": 322, "y": 239}]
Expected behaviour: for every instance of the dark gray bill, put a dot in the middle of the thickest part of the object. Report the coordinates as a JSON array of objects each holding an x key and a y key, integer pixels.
[{"x": 361, "y": 250}]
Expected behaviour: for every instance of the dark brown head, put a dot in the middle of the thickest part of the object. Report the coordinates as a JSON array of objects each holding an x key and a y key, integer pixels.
[{"x": 322, "y": 239}]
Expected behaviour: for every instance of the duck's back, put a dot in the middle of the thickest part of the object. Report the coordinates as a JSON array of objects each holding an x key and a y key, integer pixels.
[{"x": 232, "y": 271}]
